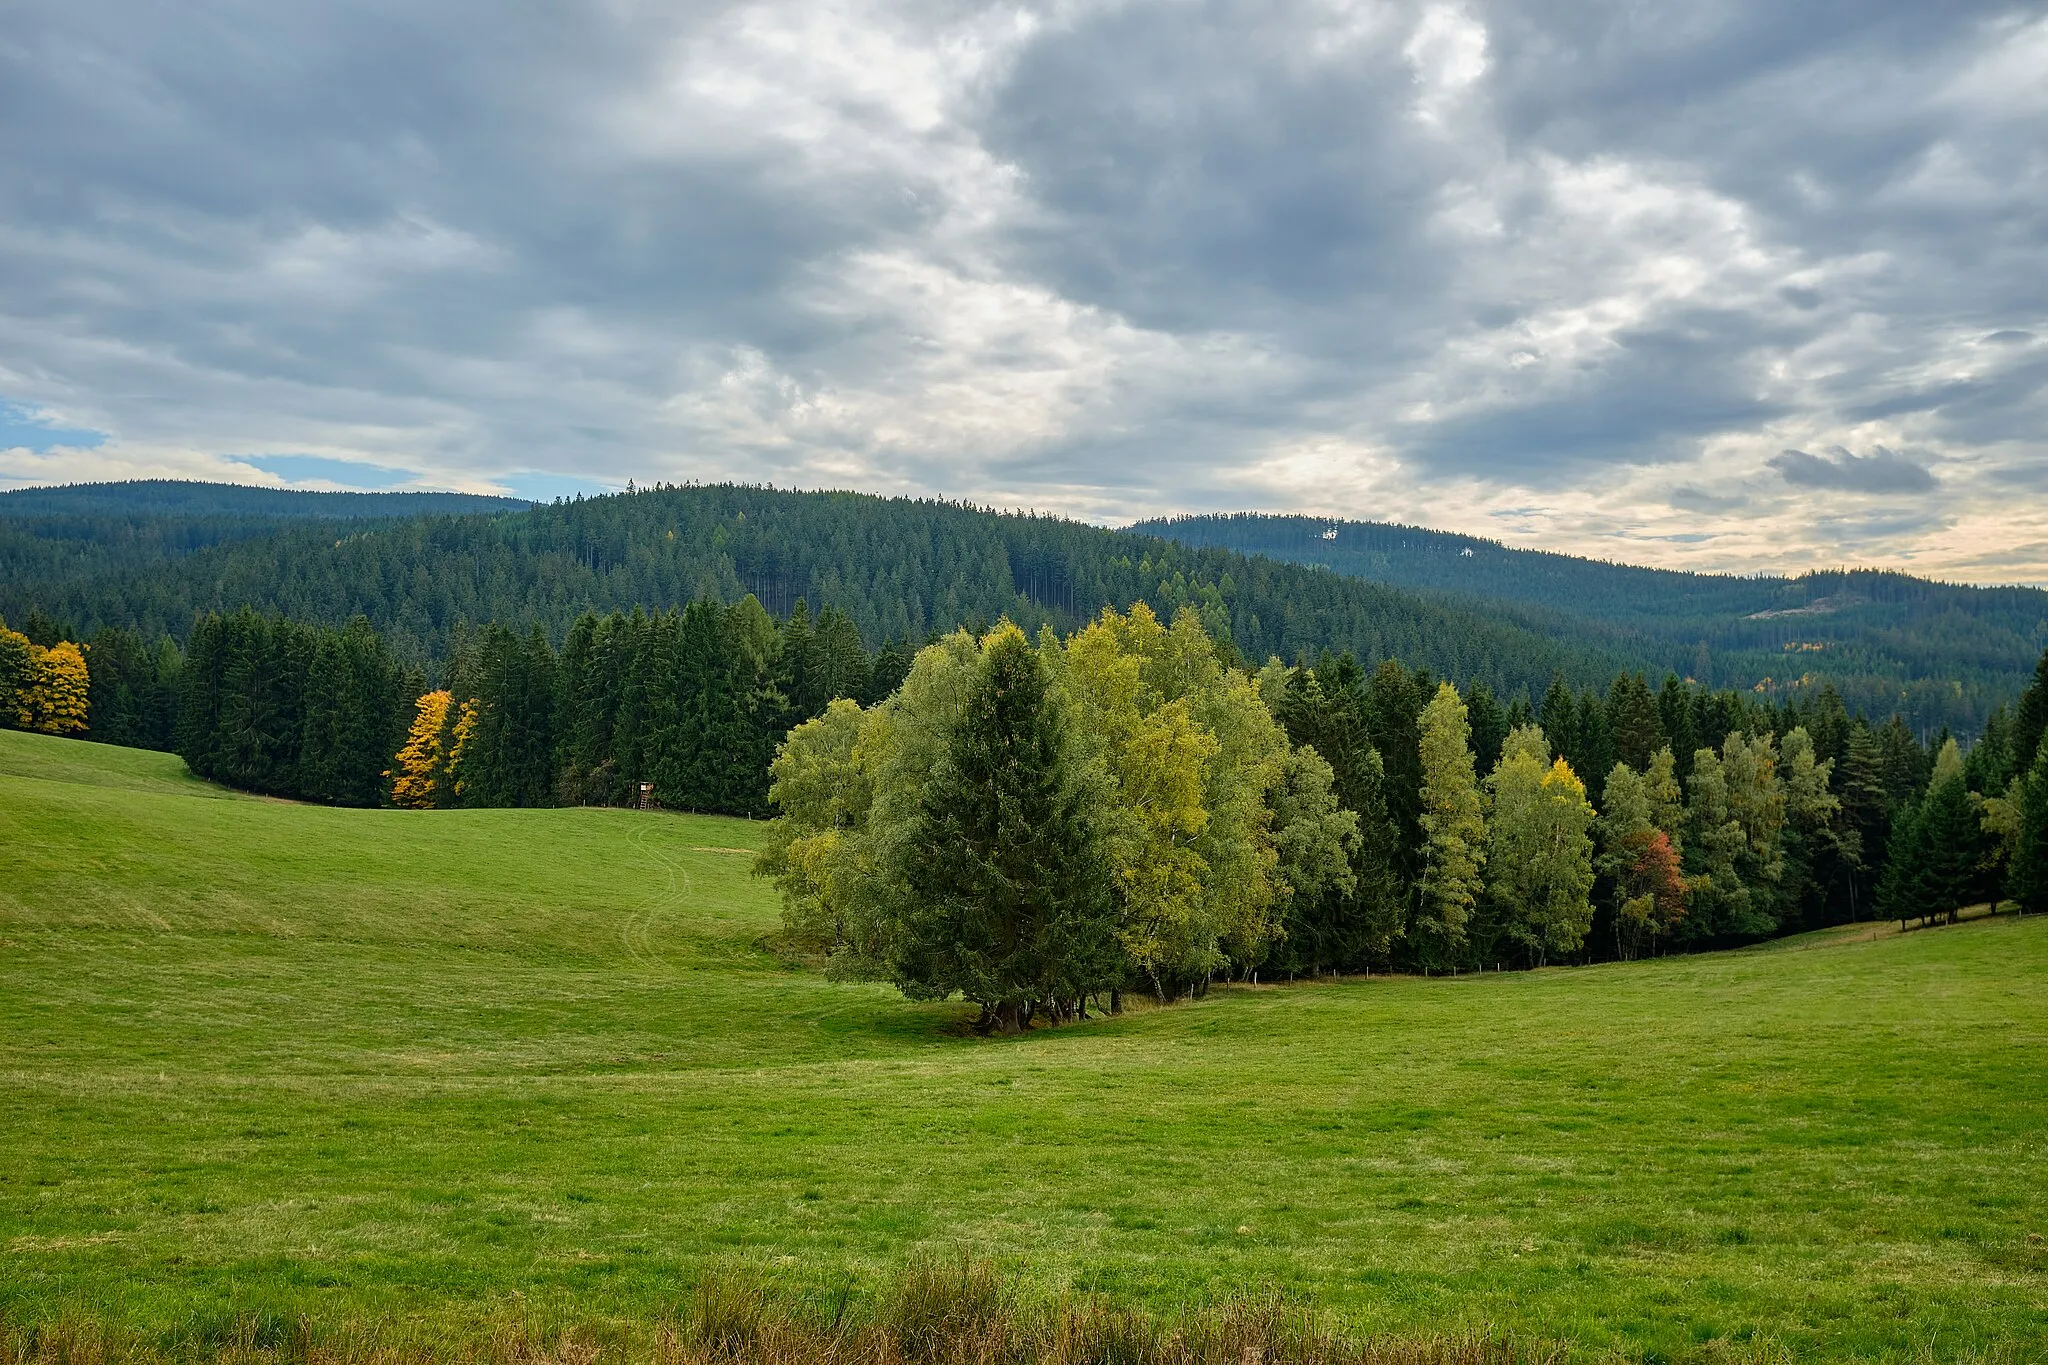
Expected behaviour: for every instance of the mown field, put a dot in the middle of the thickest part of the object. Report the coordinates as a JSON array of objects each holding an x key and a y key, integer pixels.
[{"x": 266, "y": 1058}]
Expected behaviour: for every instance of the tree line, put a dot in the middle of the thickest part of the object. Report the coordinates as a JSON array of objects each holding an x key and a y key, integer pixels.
[
  {"x": 690, "y": 703},
  {"x": 1036, "y": 825},
  {"x": 1291, "y": 820}
]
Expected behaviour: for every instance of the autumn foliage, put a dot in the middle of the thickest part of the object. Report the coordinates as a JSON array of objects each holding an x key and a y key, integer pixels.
[
  {"x": 43, "y": 689},
  {"x": 423, "y": 764}
]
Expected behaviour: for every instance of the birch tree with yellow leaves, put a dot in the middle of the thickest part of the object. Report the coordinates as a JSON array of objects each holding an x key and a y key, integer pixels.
[{"x": 1539, "y": 858}]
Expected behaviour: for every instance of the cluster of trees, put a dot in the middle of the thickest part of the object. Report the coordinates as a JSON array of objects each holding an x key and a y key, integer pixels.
[
  {"x": 1520, "y": 834},
  {"x": 1980, "y": 827},
  {"x": 289, "y": 709},
  {"x": 1036, "y": 825},
  {"x": 114, "y": 689},
  {"x": 691, "y": 701},
  {"x": 43, "y": 687},
  {"x": 1319, "y": 818}
]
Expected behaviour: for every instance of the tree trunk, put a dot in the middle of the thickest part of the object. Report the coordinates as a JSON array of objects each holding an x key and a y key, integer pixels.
[{"x": 1116, "y": 1001}]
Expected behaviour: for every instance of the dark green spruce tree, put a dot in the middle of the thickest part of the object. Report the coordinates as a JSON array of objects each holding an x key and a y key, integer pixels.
[
  {"x": 2030, "y": 718},
  {"x": 1010, "y": 894},
  {"x": 510, "y": 760},
  {"x": 2028, "y": 877}
]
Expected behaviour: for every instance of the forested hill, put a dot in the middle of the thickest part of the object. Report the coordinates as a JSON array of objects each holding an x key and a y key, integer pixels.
[
  {"x": 1941, "y": 653},
  {"x": 145, "y": 498},
  {"x": 74, "y": 534},
  {"x": 900, "y": 568}
]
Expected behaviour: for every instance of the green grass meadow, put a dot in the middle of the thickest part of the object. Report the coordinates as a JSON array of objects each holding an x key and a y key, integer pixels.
[{"x": 262, "y": 1057}]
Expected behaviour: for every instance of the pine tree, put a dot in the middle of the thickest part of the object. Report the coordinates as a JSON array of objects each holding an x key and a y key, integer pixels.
[
  {"x": 1674, "y": 715},
  {"x": 1010, "y": 899},
  {"x": 1558, "y": 714},
  {"x": 201, "y": 686},
  {"x": 1392, "y": 710},
  {"x": 508, "y": 760},
  {"x": 1904, "y": 762},
  {"x": 1633, "y": 722},
  {"x": 1988, "y": 767},
  {"x": 129, "y": 701},
  {"x": 1866, "y": 818},
  {"x": 840, "y": 665},
  {"x": 586, "y": 711},
  {"x": 1950, "y": 839},
  {"x": 643, "y": 653},
  {"x": 1593, "y": 749},
  {"x": 1453, "y": 828},
  {"x": 2028, "y": 876},
  {"x": 260, "y": 718},
  {"x": 322, "y": 746},
  {"x": 16, "y": 674},
  {"x": 1902, "y": 888},
  {"x": 2030, "y": 718},
  {"x": 1489, "y": 725},
  {"x": 797, "y": 665}
]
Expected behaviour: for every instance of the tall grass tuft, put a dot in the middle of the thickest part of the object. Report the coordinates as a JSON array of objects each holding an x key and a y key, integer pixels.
[{"x": 937, "y": 1313}]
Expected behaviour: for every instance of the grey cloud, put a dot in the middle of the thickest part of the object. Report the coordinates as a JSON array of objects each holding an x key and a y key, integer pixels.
[
  {"x": 1110, "y": 258},
  {"x": 1863, "y": 532},
  {"x": 1692, "y": 498},
  {"x": 1881, "y": 471}
]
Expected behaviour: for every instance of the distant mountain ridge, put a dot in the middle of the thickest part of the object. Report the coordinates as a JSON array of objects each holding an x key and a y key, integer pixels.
[
  {"x": 1885, "y": 639},
  {"x": 190, "y": 498},
  {"x": 151, "y": 556}
]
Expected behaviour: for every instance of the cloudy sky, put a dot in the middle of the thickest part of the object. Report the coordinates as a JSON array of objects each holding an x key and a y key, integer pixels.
[{"x": 1735, "y": 284}]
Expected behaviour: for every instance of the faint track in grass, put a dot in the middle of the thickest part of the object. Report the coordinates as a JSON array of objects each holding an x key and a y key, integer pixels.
[{"x": 636, "y": 934}]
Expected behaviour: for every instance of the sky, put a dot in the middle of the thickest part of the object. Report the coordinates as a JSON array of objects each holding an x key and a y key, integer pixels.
[{"x": 1731, "y": 284}]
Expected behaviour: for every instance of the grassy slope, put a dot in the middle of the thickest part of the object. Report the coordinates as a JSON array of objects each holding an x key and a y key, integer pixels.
[{"x": 277, "y": 1056}]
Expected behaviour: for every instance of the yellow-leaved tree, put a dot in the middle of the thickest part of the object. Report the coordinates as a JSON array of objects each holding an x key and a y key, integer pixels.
[
  {"x": 54, "y": 697},
  {"x": 1194, "y": 758},
  {"x": 421, "y": 768}
]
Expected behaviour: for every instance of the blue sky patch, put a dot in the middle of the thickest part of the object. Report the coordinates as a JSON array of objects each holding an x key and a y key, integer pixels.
[{"x": 22, "y": 427}]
